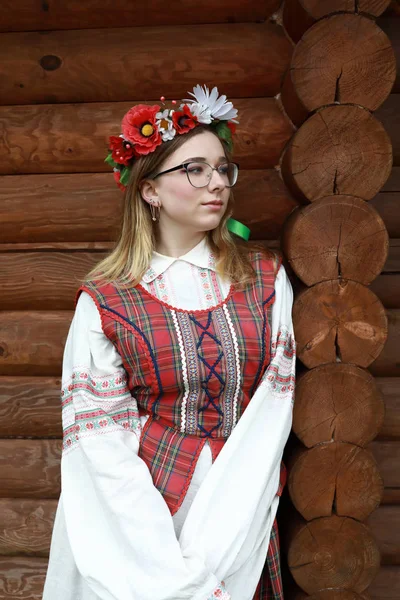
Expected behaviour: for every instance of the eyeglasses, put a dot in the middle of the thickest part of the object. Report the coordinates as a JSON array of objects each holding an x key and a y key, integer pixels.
[{"x": 199, "y": 173}]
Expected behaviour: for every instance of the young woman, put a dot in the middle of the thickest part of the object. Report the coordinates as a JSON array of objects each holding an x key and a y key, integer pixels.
[{"x": 178, "y": 381}]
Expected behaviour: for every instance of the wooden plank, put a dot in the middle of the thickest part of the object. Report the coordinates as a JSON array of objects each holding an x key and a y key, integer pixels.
[
  {"x": 26, "y": 526},
  {"x": 387, "y": 288},
  {"x": 49, "y": 280},
  {"x": 30, "y": 468},
  {"x": 386, "y": 203},
  {"x": 91, "y": 66},
  {"x": 22, "y": 577},
  {"x": 73, "y": 138},
  {"x": 387, "y": 455},
  {"x": 32, "y": 343},
  {"x": 391, "y": 27},
  {"x": 384, "y": 523},
  {"x": 386, "y": 585},
  {"x": 388, "y": 115},
  {"x": 86, "y": 207},
  {"x": 30, "y": 407},
  {"x": 23, "y": 15},
  {"x": 389, "y": 387},
  {"x": 388, "y": 362}
]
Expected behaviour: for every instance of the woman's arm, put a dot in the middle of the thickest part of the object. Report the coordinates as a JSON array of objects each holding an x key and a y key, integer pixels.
[{"x": 119, "y": 527}]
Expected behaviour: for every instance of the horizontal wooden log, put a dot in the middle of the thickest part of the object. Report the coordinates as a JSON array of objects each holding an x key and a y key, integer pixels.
[
  {"x": 333, "y": 478},
  {"x": 333, "y": 552},
  {"x": 325, "y": 67},
  {"x": 49, "y": 280},
  {"x": 300, "y": 15},
  {"x": 387, "y": 114},
  {"x": 87, "y": 66},
  {"x": 339, "y": 320},
  {"x": 387, "y": 364},
  {"x": 87, "y": 207},
  {"x": 331, "y": 594},
  {"x": 30, "y": 468},
  {"x": 26, "y": 526},
  {"x": 30, "y": 407},
  {"x": 384, "y": 524},
  {"x": 22, "y": 577},
  {"x": 387, "y": 456},
  {"x": 360, "y": 168},
  {"x": 389, "y": 388},
  {"x": 73, "y": 138},
  {"x": 390, "y": 27},
  {"x": 52, "y": 15},
  {"x": 33, "y": 343},
  {"x": 337, "y": 236},
  {"x": 337, "y": 402},
  {"x": 387, "y": 288},
  {"x": 386, "y": 584}
]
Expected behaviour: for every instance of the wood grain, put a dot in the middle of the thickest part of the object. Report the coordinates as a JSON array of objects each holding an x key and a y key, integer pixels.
[
  {"x": 22, "y": 577},
  {"x": 87, "y": 207},
  {"x": 30, "y": 468},
  {"x": 30, "y": 407},
  {"x": 326, "y": 63},
  {"x": 26, "y": 526},
  {"x": 361, "y": 167},
  {"x": 73, "y": 138},
  {"x": 91, "y": 65},
  {"x": 20, "y": 15}
]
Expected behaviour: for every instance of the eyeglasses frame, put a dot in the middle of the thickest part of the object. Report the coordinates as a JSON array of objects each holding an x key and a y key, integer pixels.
[{"x": 193, "y": 162}]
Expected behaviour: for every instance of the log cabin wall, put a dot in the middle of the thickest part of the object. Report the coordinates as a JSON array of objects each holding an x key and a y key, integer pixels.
[{"x": 68, "y": 72}]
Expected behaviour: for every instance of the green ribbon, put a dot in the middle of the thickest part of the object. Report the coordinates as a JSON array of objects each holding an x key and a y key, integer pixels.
[{"x": 238, "y": 228}]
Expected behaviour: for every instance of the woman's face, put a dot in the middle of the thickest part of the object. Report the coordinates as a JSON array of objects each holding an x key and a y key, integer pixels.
[{"x": 185, "y": 205}]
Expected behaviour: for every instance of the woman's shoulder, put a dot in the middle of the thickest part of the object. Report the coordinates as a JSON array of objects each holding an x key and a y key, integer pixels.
[{"x": 265, "y": 259}]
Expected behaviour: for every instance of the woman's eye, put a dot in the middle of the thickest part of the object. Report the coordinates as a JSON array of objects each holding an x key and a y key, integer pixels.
[{"x": 223, "y": 169}]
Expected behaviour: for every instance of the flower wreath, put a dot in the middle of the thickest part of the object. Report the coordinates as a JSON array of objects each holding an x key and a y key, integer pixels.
[{"x": 145, "y": 127}]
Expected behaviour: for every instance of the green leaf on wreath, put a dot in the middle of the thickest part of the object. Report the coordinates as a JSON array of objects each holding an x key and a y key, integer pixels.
[
  {"x": 109, "y": 160},
  {"x": 124, "y": 179},
  {"x": 225, "y": 133}
]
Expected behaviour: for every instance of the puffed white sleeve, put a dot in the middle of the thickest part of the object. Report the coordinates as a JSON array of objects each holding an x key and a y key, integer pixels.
[
  {"x": 233, "y": 512},
  {"x": 118, "y": 530}
]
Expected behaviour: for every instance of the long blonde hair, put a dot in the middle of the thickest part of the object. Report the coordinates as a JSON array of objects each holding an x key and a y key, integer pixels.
[{"x": 131, "y": 257}]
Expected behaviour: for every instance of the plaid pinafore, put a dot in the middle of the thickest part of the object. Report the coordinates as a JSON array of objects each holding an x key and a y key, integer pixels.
[{"x": 193, "y": 372}]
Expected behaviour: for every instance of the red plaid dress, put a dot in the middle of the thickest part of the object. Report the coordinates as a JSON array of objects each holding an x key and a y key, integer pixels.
[{"x": 192, "y": 373}]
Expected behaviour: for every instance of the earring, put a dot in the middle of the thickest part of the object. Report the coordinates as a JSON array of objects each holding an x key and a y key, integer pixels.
[{"x": 155, "y": 211}]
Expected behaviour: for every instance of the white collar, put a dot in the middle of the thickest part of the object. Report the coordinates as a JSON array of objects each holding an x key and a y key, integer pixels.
[{"x": 200, "y": 256}]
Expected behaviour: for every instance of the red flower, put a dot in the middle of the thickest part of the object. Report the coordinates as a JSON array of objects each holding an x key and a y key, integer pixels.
[
  {"x": 183, "y": 120},
  {"x": 117, "y": 177},
  {"x": 122, "y": 151},
  {"x": 232, "y": 127},
  {"x": 139, "y": 127}
]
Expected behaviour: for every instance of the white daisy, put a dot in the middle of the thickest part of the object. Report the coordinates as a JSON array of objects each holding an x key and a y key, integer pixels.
[
  {"x": 165, "y": 125},
  {"x": 208, "y": 106}
]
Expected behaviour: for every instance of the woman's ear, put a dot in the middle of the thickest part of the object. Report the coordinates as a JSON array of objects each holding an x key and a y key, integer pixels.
[{"x": 149, "y": 191}]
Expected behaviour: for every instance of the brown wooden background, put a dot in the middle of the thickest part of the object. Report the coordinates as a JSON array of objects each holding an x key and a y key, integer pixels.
[{"x": 68, "y": 72}]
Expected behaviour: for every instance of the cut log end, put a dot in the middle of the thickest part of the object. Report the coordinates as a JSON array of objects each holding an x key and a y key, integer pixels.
[
  {"x": 339, "y": 321},
  {"x": 337, "y": 236},
  {"x": 333, "y": 552}
]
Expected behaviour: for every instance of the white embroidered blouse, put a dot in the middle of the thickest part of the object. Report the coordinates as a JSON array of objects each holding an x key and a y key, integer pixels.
[{"x": 114, "y": 537}]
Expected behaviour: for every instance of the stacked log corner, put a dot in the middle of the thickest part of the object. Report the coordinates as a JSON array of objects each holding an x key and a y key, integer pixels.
[{"x": 343, "y": 68}]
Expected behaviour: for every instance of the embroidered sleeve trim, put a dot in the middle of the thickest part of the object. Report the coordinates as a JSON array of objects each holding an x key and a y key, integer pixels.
[
  {"x": 220, "y": 593},
  {"x": 93, "y": 405},
  {"x": 280, "y": 374}
]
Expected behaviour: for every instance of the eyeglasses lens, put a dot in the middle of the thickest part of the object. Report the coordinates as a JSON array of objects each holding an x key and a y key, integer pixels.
[{"x": 199, "y": 174}]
